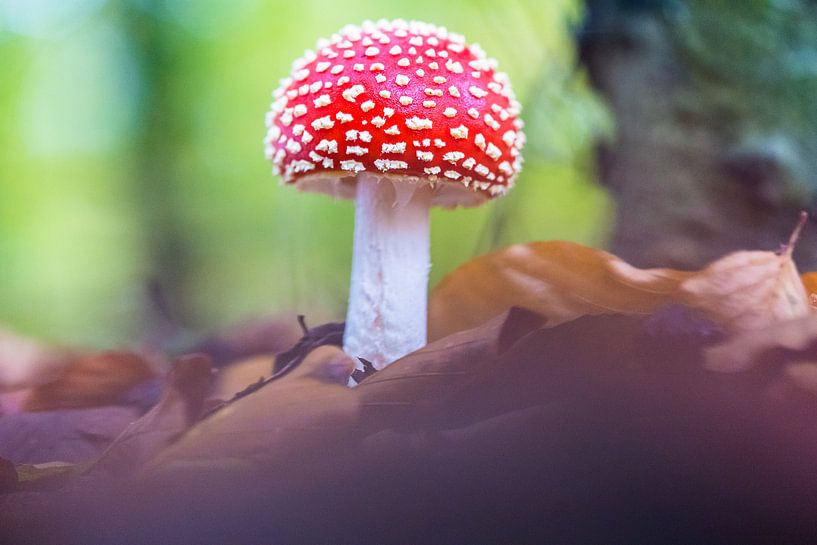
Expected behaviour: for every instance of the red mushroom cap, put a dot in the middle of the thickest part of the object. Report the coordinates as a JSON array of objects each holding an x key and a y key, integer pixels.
[{"x": 397, "y": 98}]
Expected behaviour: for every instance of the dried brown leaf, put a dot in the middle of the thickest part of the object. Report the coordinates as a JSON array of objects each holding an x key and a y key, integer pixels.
[
  {"x": 179, "y": 408},
  {"x": 420, "y": 382},
  {"x": 747, "y": 349},
  {"x": 94, "y": 380},
  {"x": 238, "y": 375},
  {"x": 46, "y": 476},
  {"x": 748, "y": 291},
  {"x": 803, "y": 375},
  {"x": 809, "y": 280},
  {"x": 283, "y": 420},
  {"x": 559, "y": 280},
  {"x": 9, "y": 479},
  {"x": 66, "y": 435}
]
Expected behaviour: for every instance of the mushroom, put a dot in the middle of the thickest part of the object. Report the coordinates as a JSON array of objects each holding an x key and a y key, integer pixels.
[{"x": 400, "y": 116}]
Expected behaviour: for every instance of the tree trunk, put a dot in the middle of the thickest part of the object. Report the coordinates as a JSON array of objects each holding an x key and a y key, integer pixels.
[{"x": 714, "y": 148}]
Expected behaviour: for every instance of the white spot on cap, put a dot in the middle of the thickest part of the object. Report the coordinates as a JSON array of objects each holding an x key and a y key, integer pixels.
[
  {"x": 322, "y": 66},
  {"x": 433, "y": 171},
  {"x": 352, "y": 166},
  {"x": 380, "y": 78},
  {"x": 459, "y": 132},
  {"x": 453, "y": 66},
  {"x": 351, "y": 135},
  {"x": 395, "y": 50},
  {"x": 376, "y": 67},
  {"x": 439, "y": 142},
  {"x": 403, "y": 62},
  {"x": 399, "y": 147},
  {"x": 366, "y": 106},
  {"x": 371, "y": 51},
  {"x": 337, "y": 69},
  {"x": 453, "y": 156},
  {"x": 286, "y": 117},
  {"x": 297, "y": 130},
  {"x": 473, "y": 112},
  {"x": 378, "y": 121},
  {"x": 299, "y": 110},
  {"x": 420, "y": 72},
  {"x": 479, "y": 140},
  {"x": 449, "y": 112},
  {"x": 293, "y": 146},
  {"x": 439, "y": 79},
  {"x": 385, "y": 94},
  {"x": 418, "y": 123},
  {"x": 324, "y": 122},
  {"x": 469, "y": 163},
  {"x": 454, "y": 92},
  {"x": 329, "y": 146},
  {"x": 493, "y": 151},
  {"x": 343, "y": 117},
  {"x": 406, "y": 100},
  {"x": 365, "y": 136},
  {"x": 315, "y": 87},
  {"x": 491, "y": 122},
  {"x": 356, "y": 150},
  {"x": 357, "y": 67},
  {"x": 453, "y": 174},
  {"x": 323, "y": 100},
  {"x": 388, "y": 164},
  {"x": 482, "y": 170},
  {"x": 425, "y": 156},
  {"x": 301, "y": 75},
  {"x": 393, "y": 130},
  {"x": 429, "y": 104},
  {"x": 353, "y": 92},
  {"x": 477, "y": 91},
  {"x": 301, "y": 166},
  {"x": 401, "y": 80},
  {"x": 509, "y": 137}
]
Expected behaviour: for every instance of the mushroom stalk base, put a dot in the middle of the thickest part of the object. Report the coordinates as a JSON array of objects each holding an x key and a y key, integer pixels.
[{"x": 386, "y": 317}]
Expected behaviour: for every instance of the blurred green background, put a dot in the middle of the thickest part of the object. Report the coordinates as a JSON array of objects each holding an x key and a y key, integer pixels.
[{"x": 131, "y": 158}]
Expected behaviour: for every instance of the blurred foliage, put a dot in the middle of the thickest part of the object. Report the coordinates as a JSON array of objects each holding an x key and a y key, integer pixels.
[
  {"x": 754, "y": 61},
  {"x": 131, "y": 155}
]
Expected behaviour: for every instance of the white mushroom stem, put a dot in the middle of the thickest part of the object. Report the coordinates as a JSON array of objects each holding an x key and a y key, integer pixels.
[{"x": 386, "y": 317}]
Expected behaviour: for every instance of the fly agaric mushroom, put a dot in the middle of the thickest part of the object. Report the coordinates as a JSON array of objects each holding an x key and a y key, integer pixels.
[{"x": 400, "y": 116}]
